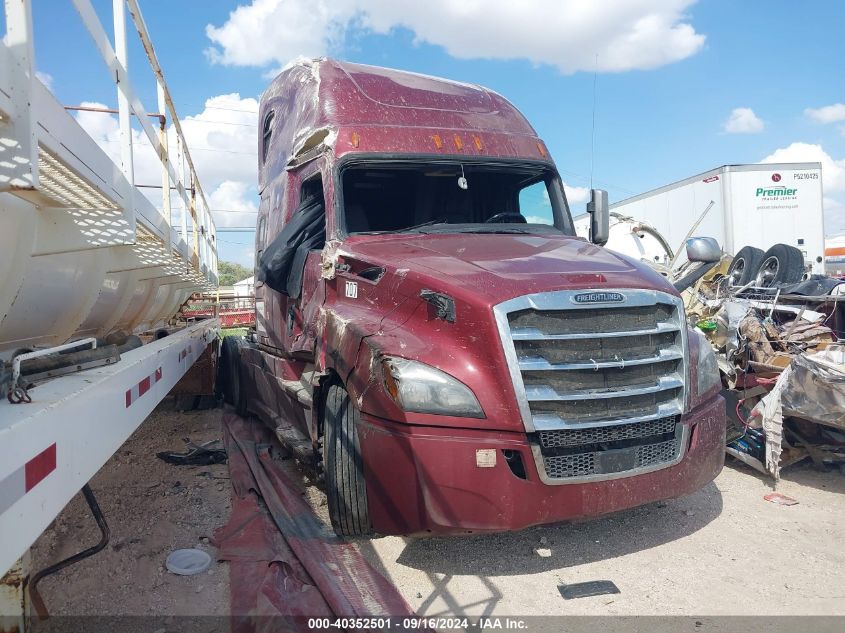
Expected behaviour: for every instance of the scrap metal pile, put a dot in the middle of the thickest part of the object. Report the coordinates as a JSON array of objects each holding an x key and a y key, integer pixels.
[{"x": 776, "y": 332}]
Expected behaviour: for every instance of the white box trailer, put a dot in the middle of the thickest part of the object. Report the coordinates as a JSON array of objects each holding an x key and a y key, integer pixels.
[{"x": 753, "y": 205}]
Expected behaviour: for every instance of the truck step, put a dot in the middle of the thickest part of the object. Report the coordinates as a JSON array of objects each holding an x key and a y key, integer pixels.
[
  {"x": 297, "y": 443},
  {"x": 300, "y": 389}
]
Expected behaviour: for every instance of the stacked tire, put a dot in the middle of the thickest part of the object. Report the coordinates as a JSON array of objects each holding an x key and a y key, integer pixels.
[{"x": 781, "y": 265}]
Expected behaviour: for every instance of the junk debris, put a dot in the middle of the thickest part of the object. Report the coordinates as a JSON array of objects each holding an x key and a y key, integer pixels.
[
  {"x": 779, "y": 499},
  {"x": 588, "y": 589},
  {"x": 779, "y": 337},
  {"x": 781, "y": 355},
  {"x": 196, "y": 455}
]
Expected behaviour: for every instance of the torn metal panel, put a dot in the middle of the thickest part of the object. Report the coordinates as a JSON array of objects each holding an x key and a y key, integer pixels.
[
  {"x": 815, "y": 388},
  {"x": 328, "y": 262},
  {"x": 313, "y": 143}
]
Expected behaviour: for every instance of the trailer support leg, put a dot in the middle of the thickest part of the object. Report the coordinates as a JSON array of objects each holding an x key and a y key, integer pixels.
[
  {"x": 35, "y": 597},
  {"x": 13, "y": 602}
]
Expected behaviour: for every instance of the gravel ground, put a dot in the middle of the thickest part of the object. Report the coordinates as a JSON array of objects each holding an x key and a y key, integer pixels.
[
  {"x": 152, "y": 508},
  {"x": 723, "y": 550}
]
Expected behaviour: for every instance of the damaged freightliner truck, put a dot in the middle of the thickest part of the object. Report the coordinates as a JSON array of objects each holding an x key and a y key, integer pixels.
[{"x": 434, "y": 341}]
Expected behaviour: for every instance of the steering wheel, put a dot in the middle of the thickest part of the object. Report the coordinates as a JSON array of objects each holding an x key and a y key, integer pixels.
[{"x": 506, "y": 216}]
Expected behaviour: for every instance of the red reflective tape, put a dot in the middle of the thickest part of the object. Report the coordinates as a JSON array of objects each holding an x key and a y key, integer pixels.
[
  {"x": 143, "y": 387},
  {"x": 40, "y": 466}
]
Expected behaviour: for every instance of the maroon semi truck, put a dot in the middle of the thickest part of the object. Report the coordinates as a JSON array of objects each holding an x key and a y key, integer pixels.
[{"x": 431, "y": 336}]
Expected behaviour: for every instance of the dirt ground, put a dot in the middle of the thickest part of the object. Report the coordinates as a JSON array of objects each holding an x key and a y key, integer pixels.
[
  {"x": 723, "y": 550},
  {"x": 151, "y": 508}
]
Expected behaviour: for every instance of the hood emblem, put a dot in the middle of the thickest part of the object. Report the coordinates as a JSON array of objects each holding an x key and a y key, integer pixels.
[{"x": 599, "y": 297}]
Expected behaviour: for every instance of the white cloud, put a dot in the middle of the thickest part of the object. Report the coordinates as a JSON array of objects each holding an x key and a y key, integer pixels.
[
  {"x": 833, "y": 178},
  {"x": 223, "y": 140},
  {"x": 743, "y": 121},
  {"x": 223, "y": 146},
  {"x": 827, "y": 114},
  {"x": 229, "y": 198},
  {"x": 568, "y": 34},
  {"x": 576, "y": 195},
  {"x": 833, "y": 171},
  {"x": 45, "y": 78}
]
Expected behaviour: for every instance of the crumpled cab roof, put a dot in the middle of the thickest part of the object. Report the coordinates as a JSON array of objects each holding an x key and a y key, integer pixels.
[{"x": 312, "y": 100}]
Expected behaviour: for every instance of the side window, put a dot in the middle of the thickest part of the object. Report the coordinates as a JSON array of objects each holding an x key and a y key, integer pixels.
[
  {"x": 535, "y": 205},
  {"x": 266, "y": 134}
]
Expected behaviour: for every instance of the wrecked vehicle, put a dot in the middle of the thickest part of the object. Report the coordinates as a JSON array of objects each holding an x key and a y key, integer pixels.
[
  {"x": 432, "y": 337},
  {"x": 780, "y": 353}
]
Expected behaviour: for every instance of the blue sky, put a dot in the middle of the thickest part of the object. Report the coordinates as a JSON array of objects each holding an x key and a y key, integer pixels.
[{"x": 671, "y": 73}]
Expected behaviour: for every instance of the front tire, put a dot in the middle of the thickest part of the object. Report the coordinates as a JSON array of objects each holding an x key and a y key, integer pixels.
[{"x": 346, "y": 487}]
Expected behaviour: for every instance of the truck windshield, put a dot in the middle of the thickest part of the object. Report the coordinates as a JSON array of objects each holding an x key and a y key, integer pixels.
[{"x": 453, "y": 197}]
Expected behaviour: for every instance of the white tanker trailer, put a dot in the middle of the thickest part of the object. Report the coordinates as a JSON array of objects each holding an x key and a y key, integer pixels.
[{"x": 87, "y": 263}]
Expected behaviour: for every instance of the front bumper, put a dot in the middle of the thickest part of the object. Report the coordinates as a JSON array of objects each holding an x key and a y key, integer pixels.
[{"x": 423, "y": 480}]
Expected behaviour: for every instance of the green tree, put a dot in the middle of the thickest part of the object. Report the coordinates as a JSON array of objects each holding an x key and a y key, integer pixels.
[{"x": 230, "y": 272}]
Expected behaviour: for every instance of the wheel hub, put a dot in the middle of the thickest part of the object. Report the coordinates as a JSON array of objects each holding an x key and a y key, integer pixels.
[
  {"x": 737, "y": 269},
  {"x": 768, "y": 272}
]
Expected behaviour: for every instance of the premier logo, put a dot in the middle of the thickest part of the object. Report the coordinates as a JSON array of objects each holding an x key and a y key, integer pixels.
[
  {"x": 599, "y": 297},
  {"x": 775, "y": 192}
]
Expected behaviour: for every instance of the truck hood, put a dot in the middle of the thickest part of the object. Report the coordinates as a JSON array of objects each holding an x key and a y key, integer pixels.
[{"x": 503, "y": 266}]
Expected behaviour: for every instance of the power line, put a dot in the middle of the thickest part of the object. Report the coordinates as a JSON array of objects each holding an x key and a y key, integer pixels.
[
  {"x": 185, "y": 121},
  {"x": 236, "y": 243},
  {"x": 206, "y": 149},
  {"x": 182, "y": 120},
  {"x": 208, "y": 107}
]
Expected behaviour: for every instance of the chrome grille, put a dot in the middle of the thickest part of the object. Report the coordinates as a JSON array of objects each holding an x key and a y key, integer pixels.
[{"x": 600, "y": 386}]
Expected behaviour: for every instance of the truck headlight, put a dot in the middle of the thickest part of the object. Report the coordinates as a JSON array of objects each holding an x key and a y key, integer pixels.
[
  {"x": 708, "y": 369},
  {"x": 419, "y": 388}
]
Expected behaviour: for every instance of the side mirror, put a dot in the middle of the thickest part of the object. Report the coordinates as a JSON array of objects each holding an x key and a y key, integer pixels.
[
  {"x": 599, "y": 212},
  {"x": 703, "y": 249}
]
